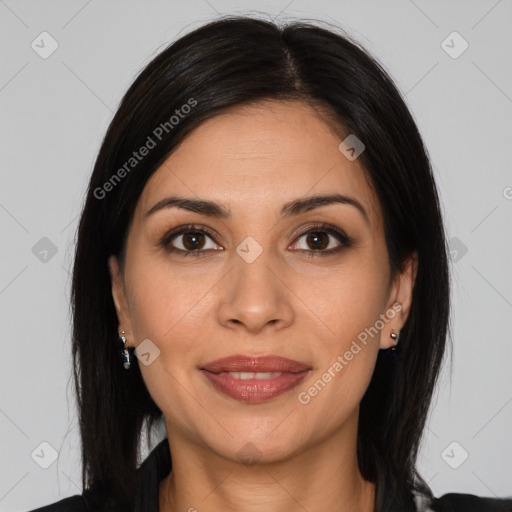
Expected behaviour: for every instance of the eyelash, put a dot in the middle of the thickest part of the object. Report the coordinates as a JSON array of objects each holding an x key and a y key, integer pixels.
[{"x": 344, "y": 239}]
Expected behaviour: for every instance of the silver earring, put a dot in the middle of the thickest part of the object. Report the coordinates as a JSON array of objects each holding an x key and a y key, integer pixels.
[
  {"x": 126, "y": 354},
  {"x": 394, "y": 336}
]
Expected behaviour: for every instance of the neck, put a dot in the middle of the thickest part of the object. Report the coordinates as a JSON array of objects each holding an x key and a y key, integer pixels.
[{"x": 323, "y": 477}]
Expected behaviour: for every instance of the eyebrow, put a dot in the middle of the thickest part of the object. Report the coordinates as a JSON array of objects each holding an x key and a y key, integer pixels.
[{"x": 296, "y": 207}]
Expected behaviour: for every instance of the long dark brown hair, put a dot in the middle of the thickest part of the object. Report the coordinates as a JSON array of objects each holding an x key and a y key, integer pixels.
[{"x": 233, "y": 61}]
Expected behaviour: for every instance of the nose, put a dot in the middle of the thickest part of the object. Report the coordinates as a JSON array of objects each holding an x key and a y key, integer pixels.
[{"x": 255, "y": 295}]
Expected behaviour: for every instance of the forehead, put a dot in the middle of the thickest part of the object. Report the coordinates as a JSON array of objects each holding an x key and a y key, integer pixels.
[{"x": 255, "y": 158}]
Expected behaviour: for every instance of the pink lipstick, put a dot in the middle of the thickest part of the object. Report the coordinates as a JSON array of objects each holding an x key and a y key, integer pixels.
[{"x": 254, "y": 379}]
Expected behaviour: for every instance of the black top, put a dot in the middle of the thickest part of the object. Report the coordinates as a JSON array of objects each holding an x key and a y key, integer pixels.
[{"x": 157, "y": 466}]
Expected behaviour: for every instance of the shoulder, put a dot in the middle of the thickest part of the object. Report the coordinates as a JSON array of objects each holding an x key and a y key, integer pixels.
[
  {"x": 455, "y": 502},
  {"x": 72, "y": 504}
]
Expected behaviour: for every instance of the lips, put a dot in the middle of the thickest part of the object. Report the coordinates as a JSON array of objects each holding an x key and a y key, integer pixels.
[
  {"x": 239, "y": 363},
  {"x": 254, "y": 379}
]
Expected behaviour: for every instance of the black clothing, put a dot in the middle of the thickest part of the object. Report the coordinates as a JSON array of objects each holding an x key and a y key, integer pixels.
[{"x": 158, "y": 465}]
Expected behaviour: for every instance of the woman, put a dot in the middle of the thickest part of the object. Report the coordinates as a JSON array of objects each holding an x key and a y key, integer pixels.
[{"x": 262, "y": 225}]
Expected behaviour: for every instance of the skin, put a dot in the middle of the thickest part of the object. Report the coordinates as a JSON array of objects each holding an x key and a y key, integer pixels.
[{"x": 253, "y": 159}]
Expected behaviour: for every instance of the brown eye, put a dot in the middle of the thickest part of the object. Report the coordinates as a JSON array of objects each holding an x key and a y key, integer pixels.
[
  {"x": 320, "y": 240},
  {"x": 317, "y": 240},
  {"x": 193, "y": 240},
  {"x": 188, "y": 241}
]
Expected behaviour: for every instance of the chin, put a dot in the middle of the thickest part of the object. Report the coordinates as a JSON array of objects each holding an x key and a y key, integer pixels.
[{"x": 261, "y": 446}]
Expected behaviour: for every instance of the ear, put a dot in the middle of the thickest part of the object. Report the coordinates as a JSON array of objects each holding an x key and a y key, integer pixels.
[
  {"x": 121, "y": 305},
  {"x": 400, "y": 299}
]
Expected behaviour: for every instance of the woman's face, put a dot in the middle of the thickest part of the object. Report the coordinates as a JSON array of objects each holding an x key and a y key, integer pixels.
[{"x": 264, "y": 280}]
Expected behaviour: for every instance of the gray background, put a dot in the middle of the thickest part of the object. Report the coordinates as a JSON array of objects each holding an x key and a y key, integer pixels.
[{"x": 54, "y": 113}]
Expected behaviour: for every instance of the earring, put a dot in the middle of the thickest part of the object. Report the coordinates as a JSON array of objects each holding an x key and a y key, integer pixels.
[
  {"x": 126, "y": 354},
  {"x": 394, "y": 336}
]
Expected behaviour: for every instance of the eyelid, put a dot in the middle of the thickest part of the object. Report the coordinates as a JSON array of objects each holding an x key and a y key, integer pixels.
[
  {"x": 344, "y": 240},
  {"x": 186, "y": 228}
]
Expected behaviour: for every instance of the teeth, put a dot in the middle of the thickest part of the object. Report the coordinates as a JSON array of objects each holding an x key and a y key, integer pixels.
[{"x": 253, "y": 375}]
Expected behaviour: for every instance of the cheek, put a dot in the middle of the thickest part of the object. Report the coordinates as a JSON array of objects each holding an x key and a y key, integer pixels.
[
  {"x": 347, "y": 339},
  {"x": 170, "y": 314},
  {"x": 340, "y": 381},
  {"x": 164, "y": 300},
  {"x": 345, "y": 301},
  {"x": 170, "y": 309}
]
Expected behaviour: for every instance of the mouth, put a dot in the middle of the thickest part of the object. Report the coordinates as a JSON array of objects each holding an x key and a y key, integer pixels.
[{"x": 254, "y": 379}]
